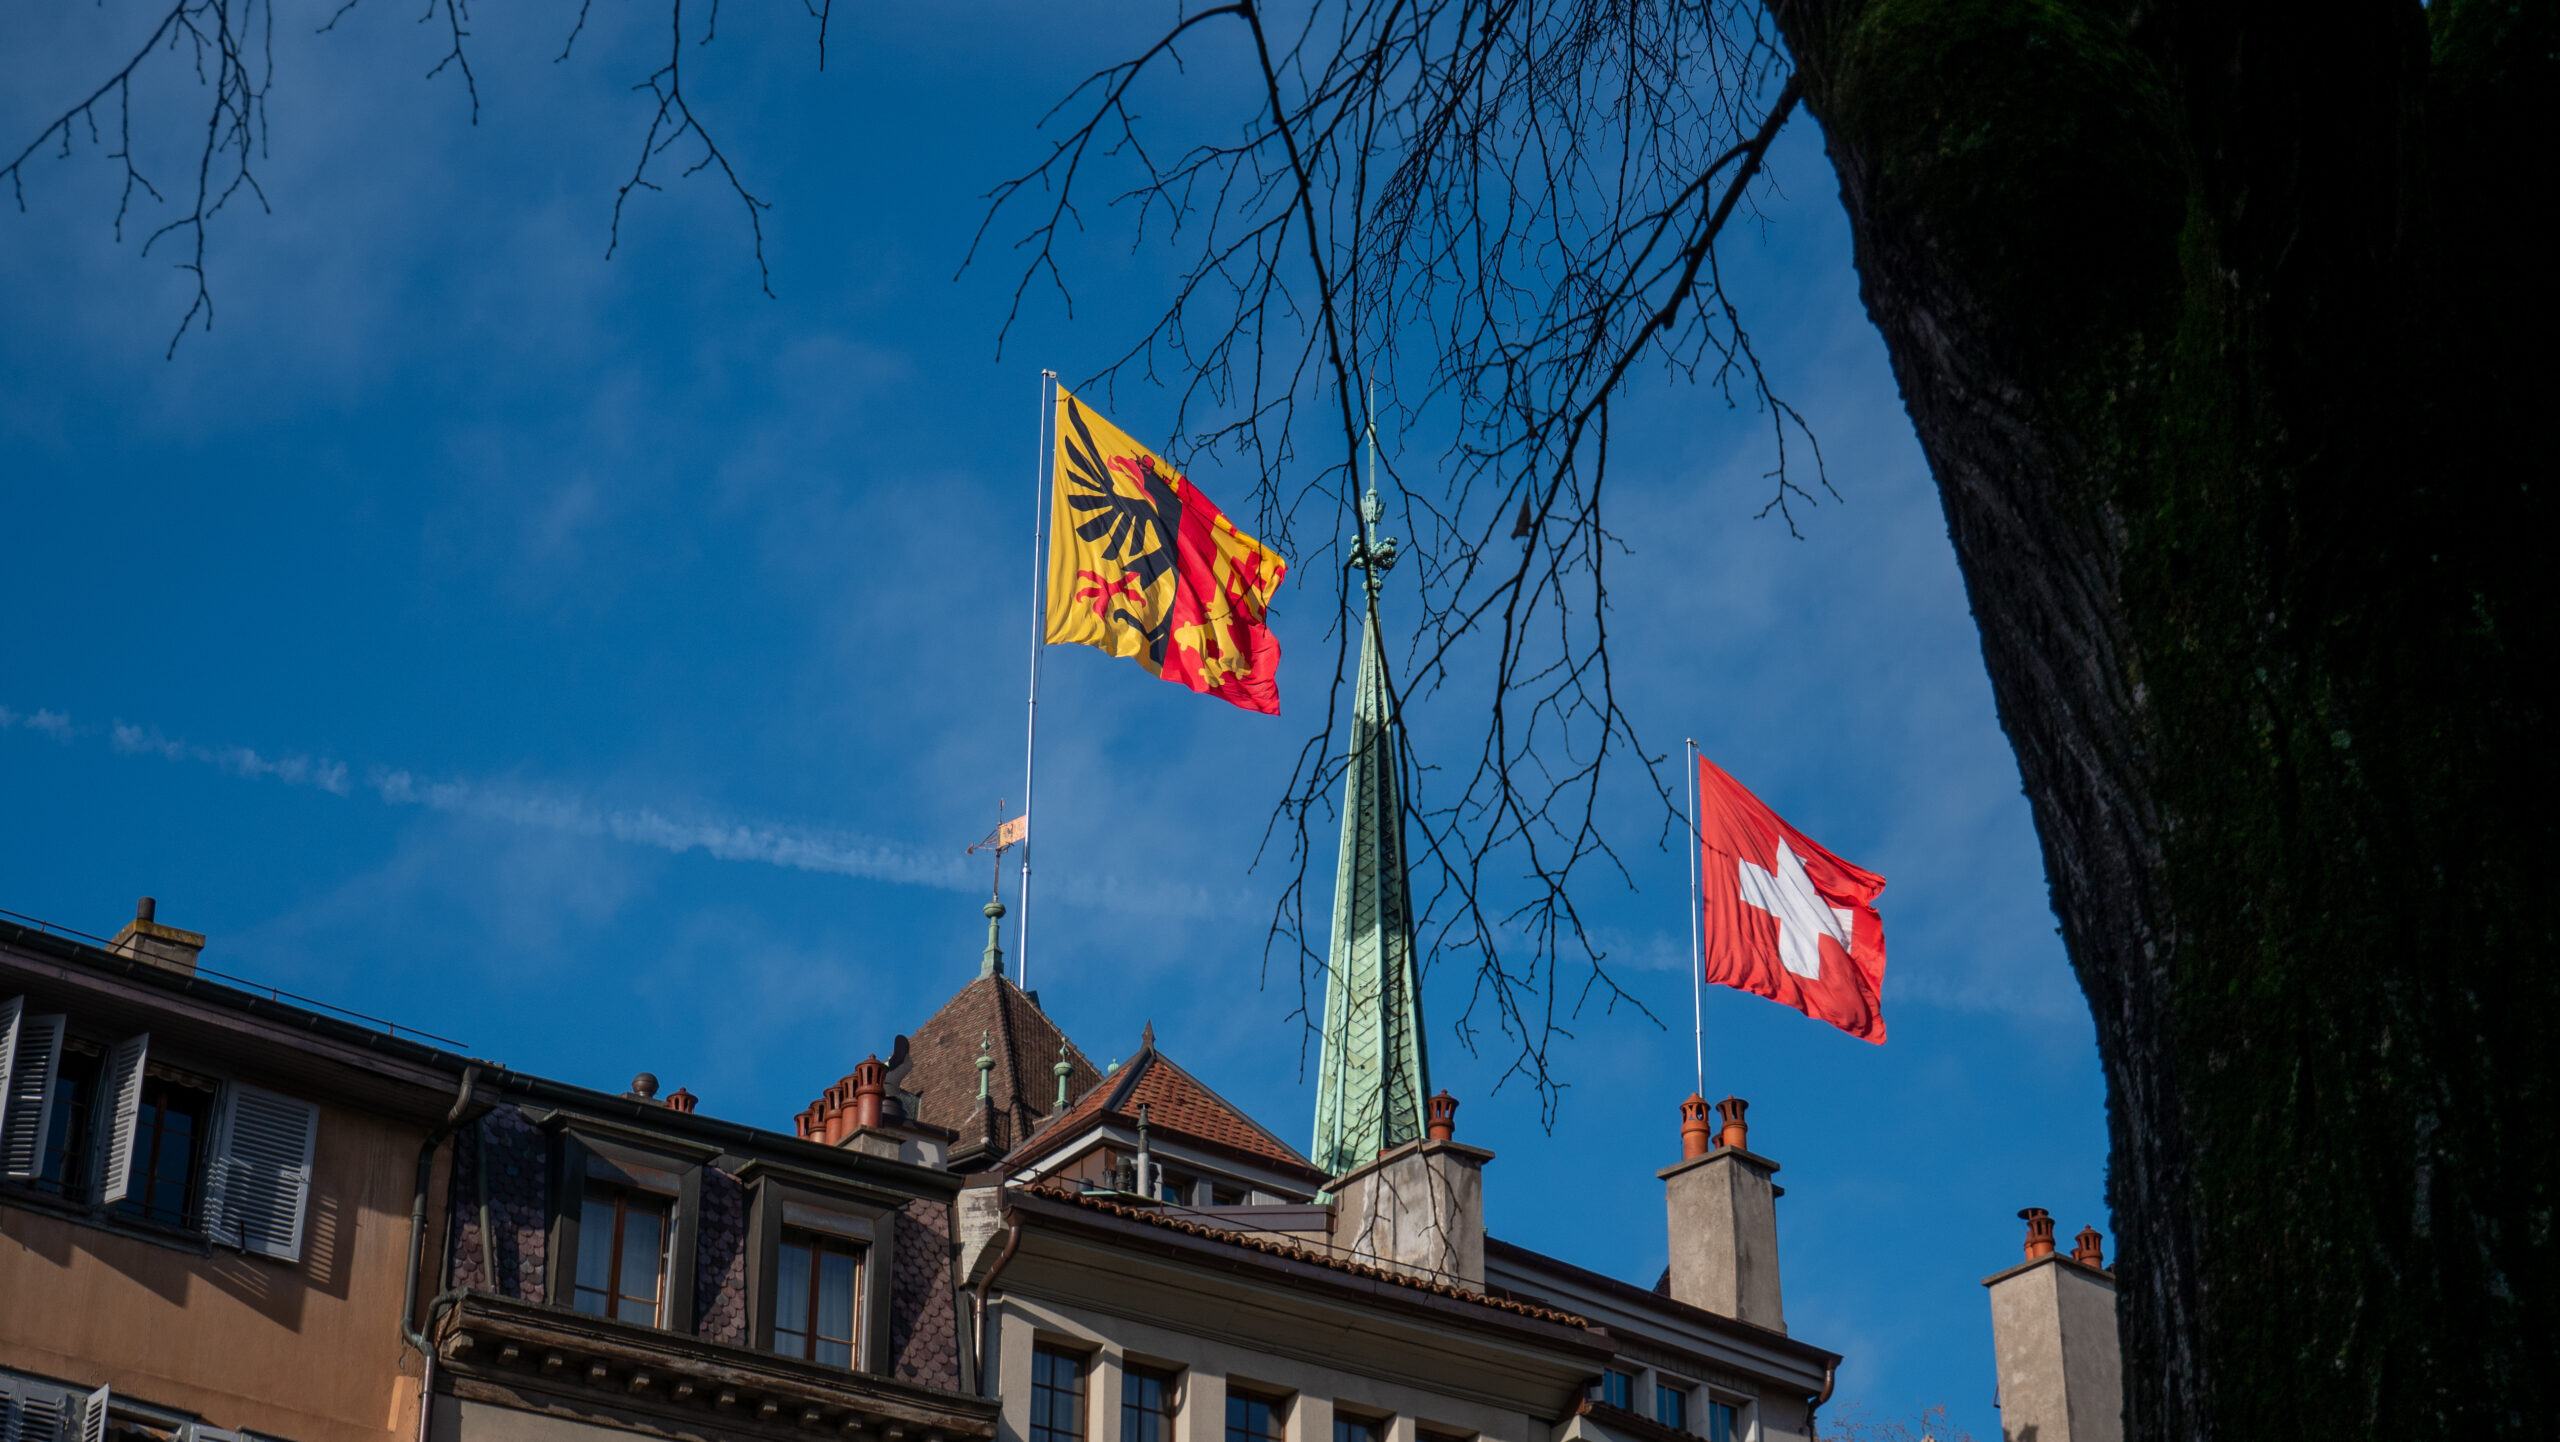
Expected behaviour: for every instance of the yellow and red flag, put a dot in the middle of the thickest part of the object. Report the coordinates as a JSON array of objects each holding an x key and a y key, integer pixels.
[{"x": 1144, "y": 566}]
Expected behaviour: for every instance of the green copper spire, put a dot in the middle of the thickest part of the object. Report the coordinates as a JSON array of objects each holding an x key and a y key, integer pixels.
[{"x": 1374, "y": 1076}]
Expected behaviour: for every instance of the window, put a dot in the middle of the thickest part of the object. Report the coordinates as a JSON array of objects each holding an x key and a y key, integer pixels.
[
  {"x": 1146, "y": 1405},
  {"x": 1226, "y": 1196},
  {"x": 1252, "y": 1419},
  {"x": 1356, "y": 1429},
  {"x": 1057, "y": 1395},
  {"x": 814, "y": 1313},
  {"x": 1671, "y": 1406},
  {"x": 1722, "y": 1424},
  {"x": 168, "y": 1138},
  {"x": 1618, "y": 1389},
  {"x": 65, "y": 1168},
  {"x": 622, "y": 1255}
]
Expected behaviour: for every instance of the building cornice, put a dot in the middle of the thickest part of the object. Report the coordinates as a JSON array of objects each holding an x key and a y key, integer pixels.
[{"x": 540, "y": 1358}]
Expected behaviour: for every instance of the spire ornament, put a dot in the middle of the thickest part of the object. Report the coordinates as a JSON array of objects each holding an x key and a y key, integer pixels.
[{"x": 1374, "y": 1077}]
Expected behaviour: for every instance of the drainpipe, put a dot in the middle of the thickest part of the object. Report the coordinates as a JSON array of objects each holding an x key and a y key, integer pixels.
[
  {"x": 986, "y": 1285},
  {"x": 418, "y": 1220}
]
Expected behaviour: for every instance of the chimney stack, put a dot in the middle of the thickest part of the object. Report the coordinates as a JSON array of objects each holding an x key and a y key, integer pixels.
[
  {"x": 1724, "y": 1220},
  {"x": 1419, "y": 1206},
  {"x": 2053, "y": 1330},
  {"x": 145, "y": 939}
]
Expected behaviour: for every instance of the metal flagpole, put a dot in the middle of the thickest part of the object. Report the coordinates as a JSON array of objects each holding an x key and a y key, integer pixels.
[
  {"x": 1039, "y": 634},
  {"x": 1697, "y": 954}
]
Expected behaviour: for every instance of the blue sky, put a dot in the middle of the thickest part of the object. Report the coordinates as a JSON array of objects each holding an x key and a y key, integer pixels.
[{"x": 604, "y": 664}]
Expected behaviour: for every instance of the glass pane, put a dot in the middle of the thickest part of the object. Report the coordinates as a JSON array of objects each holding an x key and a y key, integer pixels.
[
  {"x": 791, "y": 1302},
  {"x": 595, "y": 1248},
  {"x": 641, "y": 1231},
  {"x": 1346, "y": 1429},
  {"x": 836, "y": 1354},
  {"x": 1720, "y": 1422},
  {"x": 835, "y": 1297}
]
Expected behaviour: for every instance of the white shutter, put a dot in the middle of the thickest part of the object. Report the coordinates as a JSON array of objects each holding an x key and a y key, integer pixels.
[
  {"x": 258, "y": 1180},
  {"x": 199, "y": 1432},
  {"x": 37, "y": 1056},
  {"x": 119, "y": 1104},
  {"x": 93, "y": 1417},
  {"x": 10, "y": 1011}
]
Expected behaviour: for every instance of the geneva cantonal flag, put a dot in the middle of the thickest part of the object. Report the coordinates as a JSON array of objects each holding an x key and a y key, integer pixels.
[
  {"x": 1144, "y": 566},
  {"x": 1784, "y": 918}
]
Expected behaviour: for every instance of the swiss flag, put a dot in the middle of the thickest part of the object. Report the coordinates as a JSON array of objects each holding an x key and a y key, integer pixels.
[{"x": 1784, "y": 918}]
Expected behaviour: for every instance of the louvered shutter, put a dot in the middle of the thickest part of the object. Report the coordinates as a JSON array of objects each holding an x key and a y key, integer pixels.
[
  {"x": 199, "y": 1432},
  {"x": 93, "y": 1417},
  {"x": 10, "y": 1011},
  {"x": 32, "y": 1411},
  {"x": 119, "y": 1105},
  {"x": 29, "y": 1118},
  {"x": 258, "y": 1181}
]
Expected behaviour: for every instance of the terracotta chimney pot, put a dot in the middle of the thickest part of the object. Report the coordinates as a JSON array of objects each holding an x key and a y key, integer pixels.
[
  {"x": 1697, "y": 1134},
  {"x": 870, "y": 1088},
  {"x": 1444, "y": 1117},
  {"x": 682, "y": 1100},
  {"x": 1735, "y": 1133},
  {"x": 2039, "y": 1232},
  {"x": 2085, "y": 1248}
]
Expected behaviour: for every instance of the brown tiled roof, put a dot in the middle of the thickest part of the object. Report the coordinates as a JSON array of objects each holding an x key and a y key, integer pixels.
[
  {"x": 940, "y": 1066},
  {"x": 1173, "y": 1221},
  {"x": 1178, "y": 1103}
]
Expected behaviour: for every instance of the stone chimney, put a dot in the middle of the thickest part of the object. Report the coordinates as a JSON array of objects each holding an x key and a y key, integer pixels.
[
  {"x": 1724, "y": 1219},
  {"x": 1420, "y": 1206},
  {"x": 2053, "y": 1329},
  {"x": 145, "y": 939}
]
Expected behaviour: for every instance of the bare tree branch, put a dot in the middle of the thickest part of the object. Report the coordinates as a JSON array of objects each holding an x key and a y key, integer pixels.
[{"x": 1502, "y": 210}]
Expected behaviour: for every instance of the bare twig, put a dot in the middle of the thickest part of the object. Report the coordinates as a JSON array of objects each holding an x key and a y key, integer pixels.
[{"x": 1507, "y": 207}]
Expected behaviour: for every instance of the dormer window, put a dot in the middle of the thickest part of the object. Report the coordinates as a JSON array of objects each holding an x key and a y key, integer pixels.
[
  {"x": 622, "y": 1256},
  {"x": 817, "y": 1292}
]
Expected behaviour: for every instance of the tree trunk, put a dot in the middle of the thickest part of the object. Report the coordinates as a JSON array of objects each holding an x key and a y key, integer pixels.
[{"x": 2225, "y": 330}]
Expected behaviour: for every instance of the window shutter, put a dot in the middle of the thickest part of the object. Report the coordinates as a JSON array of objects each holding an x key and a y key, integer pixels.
[
  {"x": 10, "y": 1011},
  {"x": 199, "y": 1432},
  {"x": 119, "y": 1103},
  {"x": 30, "y": 1109},
  {"x": 93, "y": 1417},
  {"x": 32, "y": 1411},
  {"x": 258, "y": 1181}
]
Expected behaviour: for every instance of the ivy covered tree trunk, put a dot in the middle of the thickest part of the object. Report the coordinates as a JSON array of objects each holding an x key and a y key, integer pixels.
[{"x": 2228, "y": 333}]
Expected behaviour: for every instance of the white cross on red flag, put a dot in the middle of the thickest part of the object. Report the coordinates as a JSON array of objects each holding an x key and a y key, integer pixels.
[{"x": 1782, "y": 917}]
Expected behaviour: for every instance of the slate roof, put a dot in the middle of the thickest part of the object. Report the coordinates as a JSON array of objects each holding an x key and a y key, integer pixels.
[
  {"x": 1178, "y": 1104},
  {"x": 938, "y": 1064},
  {"x": 1062, "y": 1191}
]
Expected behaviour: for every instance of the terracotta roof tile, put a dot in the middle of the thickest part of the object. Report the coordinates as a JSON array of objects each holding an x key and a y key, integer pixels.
[
  {"x": 1176, "y": 1102},
  {"x": 1156, "y": 1217}
]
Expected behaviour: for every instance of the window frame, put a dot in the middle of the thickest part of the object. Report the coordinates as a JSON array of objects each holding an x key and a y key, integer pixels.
[
  {"x": 1276, "y": 1402},
  {"x": 781, "y": 1197},
  {"x": 821, "y": 1245},
  {"x": 1081, "y": 1364},
  {"x": 1733, "y": 1408},
  {"x": 1669, "y": 1392},
  {"x": 1617, "y": 1389},
  {"x": 1167, "y": 1414},
  {"x": 625, "y": 1202},
  {"x": 668, "y": 1167}
]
